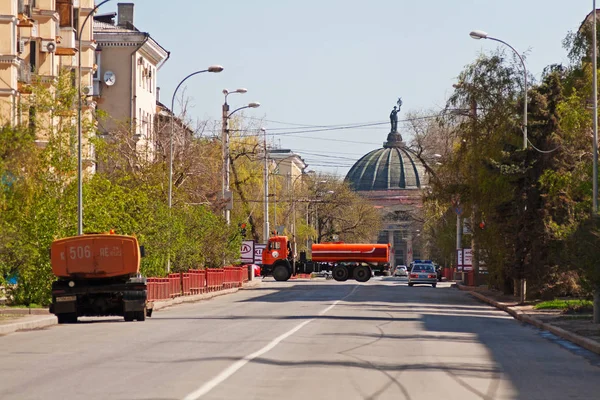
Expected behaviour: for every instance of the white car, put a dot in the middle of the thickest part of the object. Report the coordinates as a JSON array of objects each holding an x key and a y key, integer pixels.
[{"x": 401, "y": 270}]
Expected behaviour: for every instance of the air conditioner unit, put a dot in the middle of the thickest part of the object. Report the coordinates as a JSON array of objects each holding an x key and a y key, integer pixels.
[
  {"x": 87, "y": 90},
  {"x": 48, "y": 46}
]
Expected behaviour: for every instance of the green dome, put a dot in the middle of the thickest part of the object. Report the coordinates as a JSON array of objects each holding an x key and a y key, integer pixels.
[{"x": 393, "y": 167}]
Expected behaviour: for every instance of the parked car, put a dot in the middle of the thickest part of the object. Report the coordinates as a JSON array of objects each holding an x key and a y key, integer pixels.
[
  {"x": 401, "y": 270},
  {"x": 422, "y": 274}
]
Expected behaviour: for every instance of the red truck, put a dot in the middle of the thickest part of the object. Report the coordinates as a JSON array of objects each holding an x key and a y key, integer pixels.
[
  {"x": 345, "y": 260},
  {"x": 98, "y": 275}
]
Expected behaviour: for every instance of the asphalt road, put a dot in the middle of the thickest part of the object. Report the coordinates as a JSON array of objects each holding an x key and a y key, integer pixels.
[{"x": 303, "y": 340}]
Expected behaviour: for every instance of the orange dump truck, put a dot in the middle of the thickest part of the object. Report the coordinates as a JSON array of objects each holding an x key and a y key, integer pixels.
[
  {"x": 345, "y": 260},
  {"x": 98, "y": 275}
]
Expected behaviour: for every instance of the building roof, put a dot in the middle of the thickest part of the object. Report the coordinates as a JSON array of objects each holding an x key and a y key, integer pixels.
[
  {"x": 282, "y": 154},
  {"x": 392, "y": 167}
]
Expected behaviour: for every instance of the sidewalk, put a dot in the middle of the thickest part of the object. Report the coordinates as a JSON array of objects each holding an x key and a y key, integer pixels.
[
  {"x": 13, "y": 320},
  {"x": 577, "y": 329}
]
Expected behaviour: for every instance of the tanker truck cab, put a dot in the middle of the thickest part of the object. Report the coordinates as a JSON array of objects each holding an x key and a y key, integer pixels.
[{"x": 277, "y": 258}]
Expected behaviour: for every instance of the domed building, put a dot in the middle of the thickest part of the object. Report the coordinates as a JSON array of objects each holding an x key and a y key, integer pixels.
[{"x": 393, "y": 178}]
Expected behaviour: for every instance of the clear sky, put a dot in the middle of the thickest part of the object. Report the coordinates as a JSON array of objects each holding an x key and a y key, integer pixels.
[{"x": 333, "y": 62}]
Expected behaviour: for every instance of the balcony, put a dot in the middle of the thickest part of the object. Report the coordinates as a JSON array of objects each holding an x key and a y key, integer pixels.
[
  {"x": 67, "y": 45},
  {"x": 24, "y": 75},
  {"x": 24, "y": 11}
]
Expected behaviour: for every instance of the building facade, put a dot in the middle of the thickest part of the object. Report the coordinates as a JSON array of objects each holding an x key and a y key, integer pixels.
[
  {"x": 125, "y": 82},
  {"x": 286, "y": 165},
  {"x": 38, "y": 39}
]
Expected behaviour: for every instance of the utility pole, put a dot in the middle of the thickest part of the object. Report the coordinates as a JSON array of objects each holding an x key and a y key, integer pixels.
[
  {"x": 225, "y": 145},
  {"x": 266, "y": 179},
  {"x": 596, "y": 312}
]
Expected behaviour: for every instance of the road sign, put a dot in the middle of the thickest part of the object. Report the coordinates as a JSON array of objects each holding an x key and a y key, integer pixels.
[
  {"x": 458, "y": 210},
  {"x": 258, "y": 249},
  {"x": 247, "y": 251}
]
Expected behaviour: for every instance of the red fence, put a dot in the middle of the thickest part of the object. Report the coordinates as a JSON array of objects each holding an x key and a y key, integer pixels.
[{"x": 196, "y": 281}]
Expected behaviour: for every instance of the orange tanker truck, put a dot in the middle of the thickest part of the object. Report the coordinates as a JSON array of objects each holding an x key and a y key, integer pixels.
[
  {"x": 344, "y": 260},
  {"x": 98, "y": 274}
]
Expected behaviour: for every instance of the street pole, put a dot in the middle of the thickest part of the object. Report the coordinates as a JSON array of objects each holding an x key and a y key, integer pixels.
[
  {"x": 483, "y": 35},
  {"x": 266, "y": 179},
  {"x": 595, "y": 94},
  {"x": 79, "y": 130},
  {"x": 459, "y": 247},
  {"x": 225, "y": 183},
  {"x": 225, "y": 145},
  {"x": 596, "y": 308},
  {"x": 213, "y": 68}
]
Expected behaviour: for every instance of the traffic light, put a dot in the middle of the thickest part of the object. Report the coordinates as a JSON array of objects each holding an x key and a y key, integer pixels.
[{"x": 242, "y": 229}]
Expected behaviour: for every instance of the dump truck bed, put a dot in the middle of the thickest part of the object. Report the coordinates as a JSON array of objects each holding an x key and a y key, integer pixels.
[
  {"x": 95, "y": 256},
  {"x": 349, "y": 252}
]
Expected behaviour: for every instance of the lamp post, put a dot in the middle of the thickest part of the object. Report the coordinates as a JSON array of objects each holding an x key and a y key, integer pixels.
[
  {"x": 266, "y": 189},
  {"x": 212, "y": 68},
  {"x": 596, "y": 308},
  {"x": 225, "y": 140},
  {"x": 595, "y": 95},
  {"x": 79, "y": 133},
  {"x": 483, "y": 35}
]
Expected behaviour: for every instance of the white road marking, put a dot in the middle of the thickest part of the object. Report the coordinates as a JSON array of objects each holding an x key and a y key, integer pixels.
[{"x": 233, "y": 368}]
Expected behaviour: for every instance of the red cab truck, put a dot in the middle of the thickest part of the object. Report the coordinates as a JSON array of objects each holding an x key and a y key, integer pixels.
[
  {"x": 345, "y": 260},
  {"x": 98, "y": 275}
]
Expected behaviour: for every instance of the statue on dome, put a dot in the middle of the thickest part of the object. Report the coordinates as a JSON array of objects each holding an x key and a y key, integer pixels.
[{"x": 394, "y": 115}]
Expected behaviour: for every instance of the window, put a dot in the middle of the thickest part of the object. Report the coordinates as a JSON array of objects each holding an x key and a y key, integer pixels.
[
  {"x": 97, "y": 61},
  {"x": 65, "y": 12},
  {"x": 33, "y": 55},
  {"x": 76, "y": 22}
]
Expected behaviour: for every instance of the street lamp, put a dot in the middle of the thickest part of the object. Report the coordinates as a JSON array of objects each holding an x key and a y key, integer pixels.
[
  {"x": 483, "y": 35},
  {"x": 225, "y": 140},
  {"x": 212, "y": 68},
  {"x": 79, "y": 133},
  {"x": 225, "y": 144},
  {"x": 266, "y": 183}
]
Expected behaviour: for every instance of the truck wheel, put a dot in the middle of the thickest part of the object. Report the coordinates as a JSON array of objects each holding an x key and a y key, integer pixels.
[
  {"x": 362, "y": 273},
  {"x": 141, "y": 315},
  {"x": 67, "y": 318},
  {"x": 340, "y": 273},
  {"x": 281, "y": 273},
  {"x": 129, "y": 316}
]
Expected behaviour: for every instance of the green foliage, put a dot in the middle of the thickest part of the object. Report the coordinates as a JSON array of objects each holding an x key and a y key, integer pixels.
[
  {"x": 38, "y": 197},
  {"x": 563, "y": 304}
]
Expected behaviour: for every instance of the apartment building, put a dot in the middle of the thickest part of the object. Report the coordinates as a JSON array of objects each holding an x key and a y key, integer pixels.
[
  {"x": 39, "y": 38},
  {"x": 125, "y": 83},
  {"x": 287, "y": 164}
]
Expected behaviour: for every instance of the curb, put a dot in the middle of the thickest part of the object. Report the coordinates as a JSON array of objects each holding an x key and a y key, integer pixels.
[
  {"x": 39, "y": 321},
  {"x": 581, "y": 341},
  {"x": 162, "y": 304}
]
